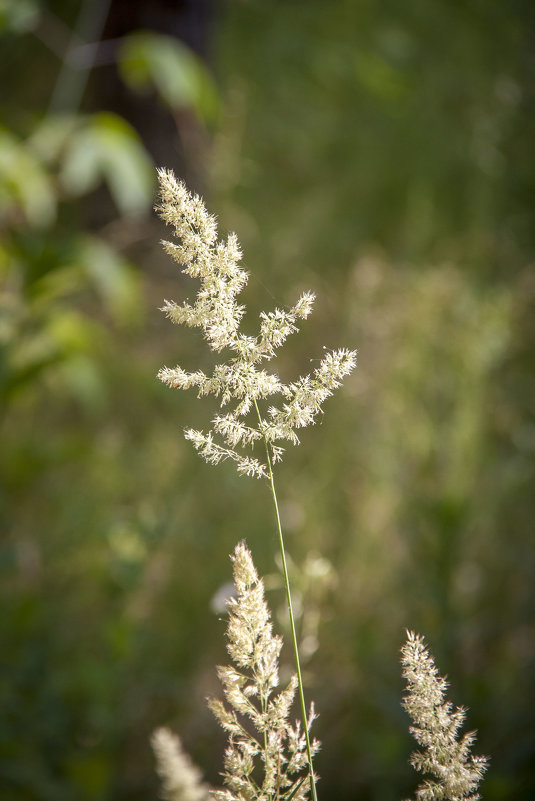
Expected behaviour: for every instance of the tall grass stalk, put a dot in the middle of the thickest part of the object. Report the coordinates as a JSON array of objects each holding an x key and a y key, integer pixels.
[
  {"x": 300, "y": 685},
  {"x": 234, "y": 435}
]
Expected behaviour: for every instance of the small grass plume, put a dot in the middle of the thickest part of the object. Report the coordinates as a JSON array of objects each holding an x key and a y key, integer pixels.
[
  {"x": 267, "y": 758},
  {"x": 436, "y": 728},
  {"x": 181, "y": 780}
]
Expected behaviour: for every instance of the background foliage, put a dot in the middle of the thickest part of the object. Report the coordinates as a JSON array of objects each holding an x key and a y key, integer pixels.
[{"x": 376, "y": 153}]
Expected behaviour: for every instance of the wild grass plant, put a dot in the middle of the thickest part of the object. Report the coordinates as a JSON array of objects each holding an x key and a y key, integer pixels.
[{"x": 267, "y": 757}]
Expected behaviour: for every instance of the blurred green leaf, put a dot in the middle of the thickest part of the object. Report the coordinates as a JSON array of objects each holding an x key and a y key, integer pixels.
[
  {"x": 50, "y": 137},
  {"x": 113, "y": 277},
  {"x": 177, "y": 73},
  {"x": 108, "y": 148},
  {"x": 31, "y": 349},
  {"x": 71, "y": 331},
  {"x": 82, "y": 376},
  {"x": 24, "y": 183},
  {"x": 18, "y": 16}
]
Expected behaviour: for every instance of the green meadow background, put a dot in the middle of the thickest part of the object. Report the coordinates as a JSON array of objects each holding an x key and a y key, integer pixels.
[{"x": 378, "y": 153}]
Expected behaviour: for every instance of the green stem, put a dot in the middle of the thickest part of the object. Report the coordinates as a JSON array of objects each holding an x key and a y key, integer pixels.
[
  {"x": 291, "y": 614},
  {"x": 72, "y": 79}
]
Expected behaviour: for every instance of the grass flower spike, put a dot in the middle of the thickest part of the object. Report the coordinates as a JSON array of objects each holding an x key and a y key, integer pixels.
[
  {"x": 266, "y": 757},
  {"x": 241, "y": 379},
  {"x": 181, "y": 779},
  {"x": 436, "y": 729}
]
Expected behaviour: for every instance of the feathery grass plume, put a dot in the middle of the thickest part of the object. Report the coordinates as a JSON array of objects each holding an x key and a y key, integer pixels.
[
  {"x": 436, "y": 729},
  {"x": 181, "y": 779},
  {"x": 241, "y": 378},
  {"x": 266, "y": 757}
]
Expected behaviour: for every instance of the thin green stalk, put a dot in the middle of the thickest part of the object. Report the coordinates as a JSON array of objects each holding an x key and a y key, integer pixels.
[
  {"x": 291, "y": 614},
  {"x": 72, "y": 79}
]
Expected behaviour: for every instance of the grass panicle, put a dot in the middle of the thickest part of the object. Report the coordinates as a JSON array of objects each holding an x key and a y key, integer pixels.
[
  {"x": 241, "y": 379},
  {"x": 266, "y": 757},
  {"x": 444, "y": 755},
  {"x": 181, "y": 780}
]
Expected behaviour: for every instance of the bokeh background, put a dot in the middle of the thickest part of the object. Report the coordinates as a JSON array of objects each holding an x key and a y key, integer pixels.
[{"x": 381, "y": 154}]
